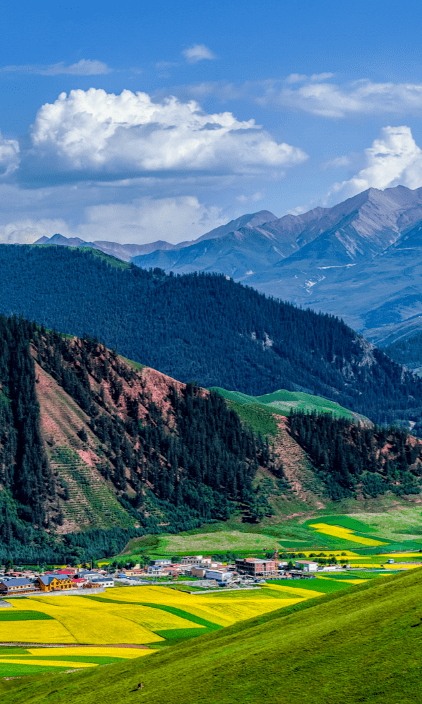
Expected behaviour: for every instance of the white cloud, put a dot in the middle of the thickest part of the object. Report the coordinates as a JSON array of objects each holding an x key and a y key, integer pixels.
[
  {"x": 148, "y": 220},
  {"x": 84, "y": 67},
  {"x": 252, "y": 198},
  {"x": 141, "y": 221},
  {"x": 197, "y": 52},
  {"x": 9, "y": 156},
  {"x": 29, "y": 230},
  {"x": 394, "y": 158},
  {"x": 318, "y": 97},
  {"x": 101, "y": 133},
  {"x": 300, "y": 78}
]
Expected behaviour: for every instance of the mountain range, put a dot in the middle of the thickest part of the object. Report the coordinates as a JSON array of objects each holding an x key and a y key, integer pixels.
[
  {"x": 205, "y": 327},
  {"x": 369, "y": 246}
]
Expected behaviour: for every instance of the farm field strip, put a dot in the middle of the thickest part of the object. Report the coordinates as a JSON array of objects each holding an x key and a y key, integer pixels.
[
  {"x": 345, "y": 533},
  {"x": 84, "y": 622},
  {"x": 346, "y": 581},
  {"x": 121, "y": 653},
  {"x": 51, "y": 663}
]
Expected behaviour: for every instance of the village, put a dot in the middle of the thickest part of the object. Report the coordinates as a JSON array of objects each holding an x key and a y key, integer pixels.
[{"x": 194, "y": 570}]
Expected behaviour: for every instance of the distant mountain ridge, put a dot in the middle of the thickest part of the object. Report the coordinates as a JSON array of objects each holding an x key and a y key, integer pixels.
[
  {"x": 126, "y": 252},
  {"x": 205, "y": 327},
  {"x": 360, "y": 248},
  {"x": 368, "y": 247}
]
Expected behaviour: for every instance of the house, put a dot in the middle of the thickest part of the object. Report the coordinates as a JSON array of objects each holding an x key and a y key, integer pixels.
[
  {"x": 221, "y": 576},
  {"x": 160, "y": 563},
  {"x": 87, "y": 574},
  {"x": 191, "y": 559},
  {"x": 157, "y": 571},
  {"x": 78, "y": 582},
  {"x": 254, "y": 567},
  {"x": 68, "y": 571},
  {"x": 198, "y": 572},
  {"x": 54, "y": 582},
  {"x": 103, "y": 582},
  {"x": 306, "y": 565},
  {"x": 10, "y": 587}
]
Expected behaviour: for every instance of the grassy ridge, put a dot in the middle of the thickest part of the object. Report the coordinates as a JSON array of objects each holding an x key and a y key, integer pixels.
[
  {"x": 362, "y": 644},
  {"x": 283, "y": 401}
]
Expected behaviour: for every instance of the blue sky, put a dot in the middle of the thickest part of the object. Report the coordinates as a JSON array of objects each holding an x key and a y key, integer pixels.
[{"x": 141, "y": 121}]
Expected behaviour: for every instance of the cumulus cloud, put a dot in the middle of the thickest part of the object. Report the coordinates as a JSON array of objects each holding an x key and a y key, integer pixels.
[
  {"x": 84, "y": 67},
  {"x": 9, "y": 156},
  {"x": 29, "y": 230},
  {"x": 197, "y": 52},
  {"x": 394, "y": 158},
  {"x": 140, "y": 221},
  {"x": 148, "y": 220},
  {"x": 98, "y": 133}
]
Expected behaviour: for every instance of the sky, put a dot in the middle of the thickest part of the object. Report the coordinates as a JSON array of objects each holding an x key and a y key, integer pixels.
[{"x": 137, "y": 121}]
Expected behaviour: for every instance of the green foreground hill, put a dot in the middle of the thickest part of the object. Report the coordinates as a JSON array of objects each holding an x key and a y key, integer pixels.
[{"x": 364, "y": 645}]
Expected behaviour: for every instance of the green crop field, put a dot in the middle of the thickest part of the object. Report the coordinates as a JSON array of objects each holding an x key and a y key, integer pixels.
[
  {"x": 381, "y": 532},
  {"x": 362, "y": 644}
]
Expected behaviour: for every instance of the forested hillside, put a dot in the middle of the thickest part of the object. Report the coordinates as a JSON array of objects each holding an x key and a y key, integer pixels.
[
  {"x": 89, "y": 442},
  {"x": 205, "y": 328},
  {"x": 95, "y": 449},
  {"x": 407, "y": 352},
  {"x": 357, "y": 461}
]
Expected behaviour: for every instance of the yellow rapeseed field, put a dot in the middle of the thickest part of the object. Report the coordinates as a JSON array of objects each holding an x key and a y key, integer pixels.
[
  {"x": 153, "y": 619},
  {"x": 85, "y": 620},
  {"x": 340, "y": 554},
  {"x": 345, "y": 533},
  {"x": 398, "y": 555},
  {"x": 50, "y": 663},
  {"x": 34, "y": 632},
  {"x": 102, "y": 651}
]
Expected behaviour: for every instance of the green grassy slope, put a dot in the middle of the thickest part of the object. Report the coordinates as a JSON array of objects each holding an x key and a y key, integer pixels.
[
  {"x": 282, "y": 402},
  {"x": 362, "y": 645}
]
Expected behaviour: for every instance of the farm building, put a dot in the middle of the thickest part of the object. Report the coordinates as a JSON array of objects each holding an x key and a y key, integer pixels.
[
  {"x": 254, "y": 567},
  {"x": 192, "y": 559},
  {"x": 9, "y": 587},
  {"x": 306, "y": 565},
  {"x": 221, "y": 576},
  {"x": 54, "y": 582},
  {"x": 102, "y": 582},
  {"x": 160, "y": 563}
]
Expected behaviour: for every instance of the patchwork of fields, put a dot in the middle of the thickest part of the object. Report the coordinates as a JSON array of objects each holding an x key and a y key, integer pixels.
[
  {"x": 365, "y": 534},
  {"x": 96, "y": 630}
]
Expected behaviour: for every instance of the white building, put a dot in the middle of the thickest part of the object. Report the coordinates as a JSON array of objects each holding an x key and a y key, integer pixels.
[
  {"x": 306, "y": 565},
  {"x": 160, "y": 563},
  {"x": 191, "y": 560},
  {"x": 103, "y": 581},
  {"x": 221, "y": 576}
]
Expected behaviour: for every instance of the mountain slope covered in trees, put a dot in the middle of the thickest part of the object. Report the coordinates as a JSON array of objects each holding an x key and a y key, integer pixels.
[
  {"x": 88, "y": 442},
  {"x": 206, "y": 328},
  {"x": 95, "y": 449}
]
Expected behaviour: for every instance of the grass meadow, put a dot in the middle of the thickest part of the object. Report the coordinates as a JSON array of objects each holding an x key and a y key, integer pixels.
[{"x": 356, "y": 644}]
